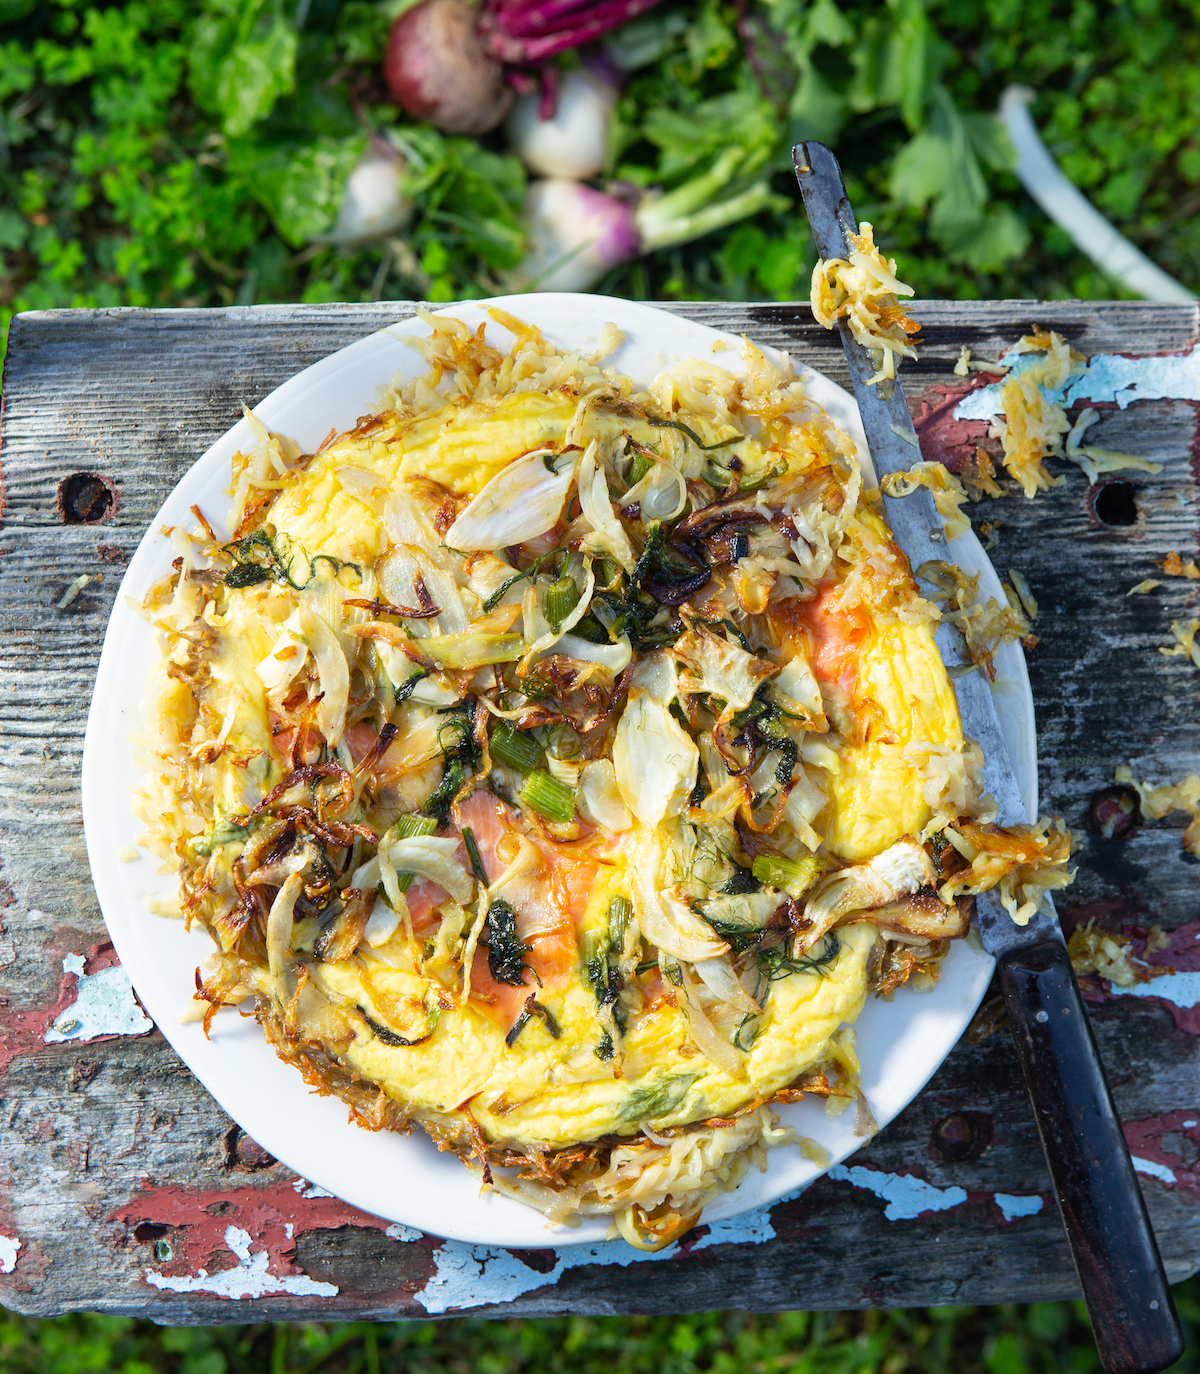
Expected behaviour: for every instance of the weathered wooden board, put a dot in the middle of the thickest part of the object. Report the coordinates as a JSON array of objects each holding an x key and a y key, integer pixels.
[{"x": 121, "y": 1181}]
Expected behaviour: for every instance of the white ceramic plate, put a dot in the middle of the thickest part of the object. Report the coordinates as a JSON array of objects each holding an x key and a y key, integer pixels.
[{"x": 406, "y": 1179}]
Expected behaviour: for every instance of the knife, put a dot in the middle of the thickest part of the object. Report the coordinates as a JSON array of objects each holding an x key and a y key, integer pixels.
[{"x": 1119, "y": 1267}]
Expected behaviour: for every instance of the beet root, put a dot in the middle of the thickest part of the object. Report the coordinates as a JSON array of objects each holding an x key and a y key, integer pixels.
[{"x": 438, "y": 69}]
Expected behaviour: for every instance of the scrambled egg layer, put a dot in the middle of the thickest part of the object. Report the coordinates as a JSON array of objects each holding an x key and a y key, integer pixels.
[
  {"x": 877, "y": 796},
  {"x": 554, "y": 1091}
]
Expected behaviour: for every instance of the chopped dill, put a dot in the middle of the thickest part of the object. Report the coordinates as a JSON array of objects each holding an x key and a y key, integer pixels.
[
  {"x": 664, "y": 1094},
  {"x": 775, "y": 963},
  {"x": 389, "y": 1037},
  {"x": 460, "y": 758},
  {"x": 473, "y": 854},
  {"x": 506, "y": 951},
  {"x": 530, "y": 572},
  {"x": 257, "y": 559},
  {"x": 408, "y": 686}
]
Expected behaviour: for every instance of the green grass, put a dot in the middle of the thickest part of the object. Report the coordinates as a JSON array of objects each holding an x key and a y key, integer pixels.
[
  {"x": 191, "y": 152},
  {"x": 1012, "y": 1339}
]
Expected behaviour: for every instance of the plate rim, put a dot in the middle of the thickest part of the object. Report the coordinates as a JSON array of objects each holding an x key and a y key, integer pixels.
[{"x": 596, "y": 310}]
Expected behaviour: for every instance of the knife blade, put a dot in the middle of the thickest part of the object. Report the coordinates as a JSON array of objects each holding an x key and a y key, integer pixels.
[{"x": 1103, "y": 1212}]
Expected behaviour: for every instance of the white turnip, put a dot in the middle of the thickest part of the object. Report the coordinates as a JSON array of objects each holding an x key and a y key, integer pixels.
[
  {"x": 573, "y": 141},
  {"x": 373, "y": 204},
  {"x": 447, "y": 60}
]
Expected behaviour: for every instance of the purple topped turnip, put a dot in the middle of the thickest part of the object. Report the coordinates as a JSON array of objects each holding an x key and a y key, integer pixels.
[
  {"x": 574, "y": 233},
  {"x": 446, "y": 60}
]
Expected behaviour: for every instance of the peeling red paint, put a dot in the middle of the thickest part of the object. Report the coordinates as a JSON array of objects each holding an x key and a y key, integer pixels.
[
  {"x": 101, "y": 956},
  {"x": 1181, "y": 954},
  {"x": 943, "y": 438},
  {"x": 24, "y": 1032},
  {"x": 1172, "y": 1140},
  {"x": 273, "y": 1216}
]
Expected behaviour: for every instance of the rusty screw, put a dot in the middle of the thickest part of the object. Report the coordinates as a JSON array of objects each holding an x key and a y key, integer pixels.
[
  {"x": 1114, "y": 812},
  {"x": 961, "y": 1136}
]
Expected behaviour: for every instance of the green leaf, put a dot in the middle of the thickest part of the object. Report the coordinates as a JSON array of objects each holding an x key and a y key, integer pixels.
[
  {"x": 710, "y": 40},
  {"x": 17, "y": 69},
  {"x": 986, "y": 242},
  {"x": 362, "y": 32},
  {"x": 239, "y": 69},
  {"x": 646, "y": 40},
  {"x": 991, "y": 142},
  {"x": 299, "y": 186},
  {"x": 743, "y": 250},
  {"x": 816, "y": 109},
  {"x": 897, "y": 62},
  {"x": 921, "y": 171},
  {"x": 13, "y": 229},
  {"x": 827, "y": 24},
  {"x": 686, "y": 137}
]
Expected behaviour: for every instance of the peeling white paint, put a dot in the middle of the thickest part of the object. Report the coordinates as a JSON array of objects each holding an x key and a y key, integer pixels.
[
  {"x": 1108, "y": 378},
  {"x": 10, "y": 1248},
  {"x": 310, "y": 1190},
  {"x": 1148, "y": 1166},
  {"x": 104, "y": 1005},
  {"x": 1012, "y": 1205},
  {"x": 249, "y": 1278},
  {"x": 397, "y": 1232},
  {"x": 1182, "y": 989},
  {"x": 907, "y": 1197},
  {"x": 475, "y": 1275}
]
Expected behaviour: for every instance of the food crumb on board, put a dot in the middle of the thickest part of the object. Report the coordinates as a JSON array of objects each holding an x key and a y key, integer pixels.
[{"x": 83, "y": 580}]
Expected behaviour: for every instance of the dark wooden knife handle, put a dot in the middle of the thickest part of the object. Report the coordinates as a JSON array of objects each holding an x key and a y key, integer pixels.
[{"x": 1120, "y": 1270}]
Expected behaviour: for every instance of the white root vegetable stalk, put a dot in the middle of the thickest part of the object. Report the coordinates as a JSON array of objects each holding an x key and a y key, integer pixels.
[
  {"x": 898, "y": 871},
  {"x": 429, "y": 857},
  {"x": 608, "y": 535},
  {"x": 655, "y": 759},
  {"x": 522, "y": 501}
]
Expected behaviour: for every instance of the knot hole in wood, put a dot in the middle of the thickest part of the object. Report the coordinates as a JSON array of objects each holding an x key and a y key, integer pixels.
[
  {"x": 1114, "y": 503},
  {"x": 85, "y": 498},
  {"x": 243, "y": 1153}
]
